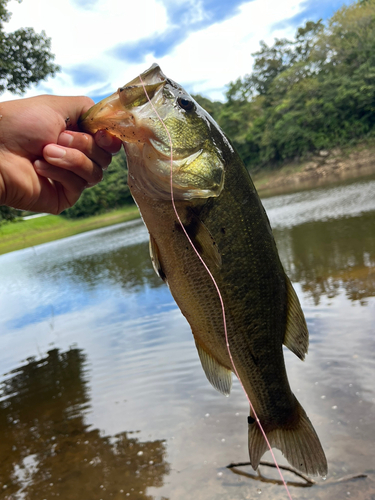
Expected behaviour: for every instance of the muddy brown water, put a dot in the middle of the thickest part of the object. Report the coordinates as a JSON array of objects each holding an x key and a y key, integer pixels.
[{"x": 102, "y": 394}]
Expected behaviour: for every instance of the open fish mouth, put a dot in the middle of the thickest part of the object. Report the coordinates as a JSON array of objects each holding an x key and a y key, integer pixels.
[
  {"x": 170, "y": 131},
  {"x": 116, "y": 112}
]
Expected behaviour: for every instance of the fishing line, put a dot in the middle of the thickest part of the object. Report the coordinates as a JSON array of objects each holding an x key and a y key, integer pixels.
[{"x": 217, "y": 290}]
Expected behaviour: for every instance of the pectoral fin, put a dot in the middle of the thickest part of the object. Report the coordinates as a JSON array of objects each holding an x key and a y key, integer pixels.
[
  {"x": 154, "y": 254},
  {"x": 204, "y": 242},
  {"x": 219, "y": 376},
  {"x": 296, "y": 334}
]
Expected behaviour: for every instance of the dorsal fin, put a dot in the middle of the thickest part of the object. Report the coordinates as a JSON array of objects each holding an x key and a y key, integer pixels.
[
  {"x": 219, "y": 376},
  {"x": 154, "y": 254},
  {"x": 296, "y": 334}
]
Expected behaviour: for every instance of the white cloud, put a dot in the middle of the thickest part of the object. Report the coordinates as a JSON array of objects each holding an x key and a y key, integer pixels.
[
  {"x": 221, "y": 53},
  {"x": 78, "y": 34},
  {"x": 206, "y": 60},
  {"x": 81, "y": 36}
]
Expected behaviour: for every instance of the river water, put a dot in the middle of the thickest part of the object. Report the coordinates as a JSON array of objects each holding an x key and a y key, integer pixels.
[{"x": 102, "y": 394}]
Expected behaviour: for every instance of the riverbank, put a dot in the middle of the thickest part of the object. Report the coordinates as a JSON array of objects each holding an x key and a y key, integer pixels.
[
  {"x": 31, "y": 232},
  {"x": 326, "y": 167}
]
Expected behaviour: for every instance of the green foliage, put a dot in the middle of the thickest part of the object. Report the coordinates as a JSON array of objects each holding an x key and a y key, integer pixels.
[
  {"x": 212, "y": 107},
  {"x": 270, "y": 62},
  {"x": 4, "y": 14},
  {"x": 112, "y": 192},
  {"x": 310, "y": 93},
  {"x": 313, "y": 92},
  {"x": 7, "y": 214},
  {"x": 25, "y": 56}
]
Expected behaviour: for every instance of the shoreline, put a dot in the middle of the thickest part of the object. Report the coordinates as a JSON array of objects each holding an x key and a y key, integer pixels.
[
  {"x": 28, "y": 233},
  {"x": 325, "y": 168}
]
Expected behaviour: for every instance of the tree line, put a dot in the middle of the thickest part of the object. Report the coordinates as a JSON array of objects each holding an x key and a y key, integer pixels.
[{"x": 313, "y": 92}]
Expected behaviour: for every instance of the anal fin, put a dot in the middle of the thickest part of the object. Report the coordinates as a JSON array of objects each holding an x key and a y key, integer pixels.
[
  {"x": 296, "y": 334},
  {"x": 219, "y": 376}
]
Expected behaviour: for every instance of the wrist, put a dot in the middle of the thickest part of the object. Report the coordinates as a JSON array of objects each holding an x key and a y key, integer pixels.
[
  {"x": 2, "y": 187},
  {"x": 2, "y": 153},
  {"x": 6, "y": 112}
]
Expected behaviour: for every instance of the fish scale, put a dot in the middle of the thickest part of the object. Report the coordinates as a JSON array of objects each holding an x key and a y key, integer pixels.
[{"x": 248, "y": 302}]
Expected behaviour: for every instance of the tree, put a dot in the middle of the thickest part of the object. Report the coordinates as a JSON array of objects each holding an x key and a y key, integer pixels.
[
  {"x": 25, "y": 56},
  {"x": 310, "y": 93},
  {"x": 7, "y": 214},
  {"x": 212, "y": 107},
  {"x": 272, "y": 61}
]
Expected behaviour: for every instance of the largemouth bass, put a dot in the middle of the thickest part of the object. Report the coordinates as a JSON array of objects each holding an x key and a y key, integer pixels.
[{"x": 221, "y": 211}]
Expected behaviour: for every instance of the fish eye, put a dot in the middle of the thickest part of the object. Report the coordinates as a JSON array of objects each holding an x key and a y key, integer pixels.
[{"x": 186, "y": 104}]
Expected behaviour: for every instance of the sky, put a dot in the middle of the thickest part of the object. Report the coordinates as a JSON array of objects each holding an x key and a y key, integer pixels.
[{"x": 203, "y": 45}]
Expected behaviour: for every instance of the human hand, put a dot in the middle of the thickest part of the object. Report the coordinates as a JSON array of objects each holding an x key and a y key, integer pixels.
[{"x": 45, "y": 163}]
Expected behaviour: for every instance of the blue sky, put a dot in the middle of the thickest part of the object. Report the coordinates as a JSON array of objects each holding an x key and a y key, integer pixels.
[{"x": 203, "y": 44}]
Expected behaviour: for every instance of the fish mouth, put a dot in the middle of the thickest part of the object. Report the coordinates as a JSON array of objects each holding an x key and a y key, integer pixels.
[{"x": 115, "y": 113}]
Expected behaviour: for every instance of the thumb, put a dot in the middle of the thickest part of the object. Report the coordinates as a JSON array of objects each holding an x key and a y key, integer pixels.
[{"x": 70, "y": 108}]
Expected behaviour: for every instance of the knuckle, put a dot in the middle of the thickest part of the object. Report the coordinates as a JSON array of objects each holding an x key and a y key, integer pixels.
[
  {"x": 80, "y": 159},
  {"x": 103, "y": 160},
  {"x": 96, "y": 176},
  {"x": 107, "y": 160},
  {"x": 99, "y": 174}
]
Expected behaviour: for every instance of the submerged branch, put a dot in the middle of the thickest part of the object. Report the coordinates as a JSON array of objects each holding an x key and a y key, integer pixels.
[
  {"x": 259, "y": 477},
  {"x": 308, "y": 481}
]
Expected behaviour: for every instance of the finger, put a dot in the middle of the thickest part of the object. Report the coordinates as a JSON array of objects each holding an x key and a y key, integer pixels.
[
  {"x": 86, "y": 144},
  {"x": 70, "y": 108},
  {"x": 75, "y": 161},
  {"x": 64, "y": 190},
  {"x": 107, "y": 141}
]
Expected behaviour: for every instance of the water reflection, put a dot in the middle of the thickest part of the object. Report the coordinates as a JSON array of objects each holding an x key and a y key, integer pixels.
[
  {"x": 112, "y": 264},
  {"x": 349, "y": 199},
  {"x": 128, "y": 266},
  {"x": 47, "y": 449},
  {"x": 94, "y": 297},
  {"x": 326, "y": 257}
]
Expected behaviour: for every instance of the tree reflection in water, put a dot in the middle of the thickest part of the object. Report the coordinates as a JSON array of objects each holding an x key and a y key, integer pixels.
[
  {"x": 328, "y": 256},
  {"x": 47, "y": 450}
]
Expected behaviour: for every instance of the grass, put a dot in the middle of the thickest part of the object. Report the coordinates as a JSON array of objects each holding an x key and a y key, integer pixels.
[{"x": 27, "y": 233}]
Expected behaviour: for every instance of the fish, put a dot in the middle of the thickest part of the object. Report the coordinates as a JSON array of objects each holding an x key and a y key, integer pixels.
[{"x": 220, "y": 211}]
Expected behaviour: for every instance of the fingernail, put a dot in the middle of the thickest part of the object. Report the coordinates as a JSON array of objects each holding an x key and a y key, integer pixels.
[
  {"x": 102, "y": 138},
  {"x": 54, "y": 151},
  {"x": 65, "y": 139},
  {"x": 41, "y": 165}
]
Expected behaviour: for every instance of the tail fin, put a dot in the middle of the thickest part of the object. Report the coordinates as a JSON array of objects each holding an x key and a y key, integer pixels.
[{"x": 299, "y": 444}]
